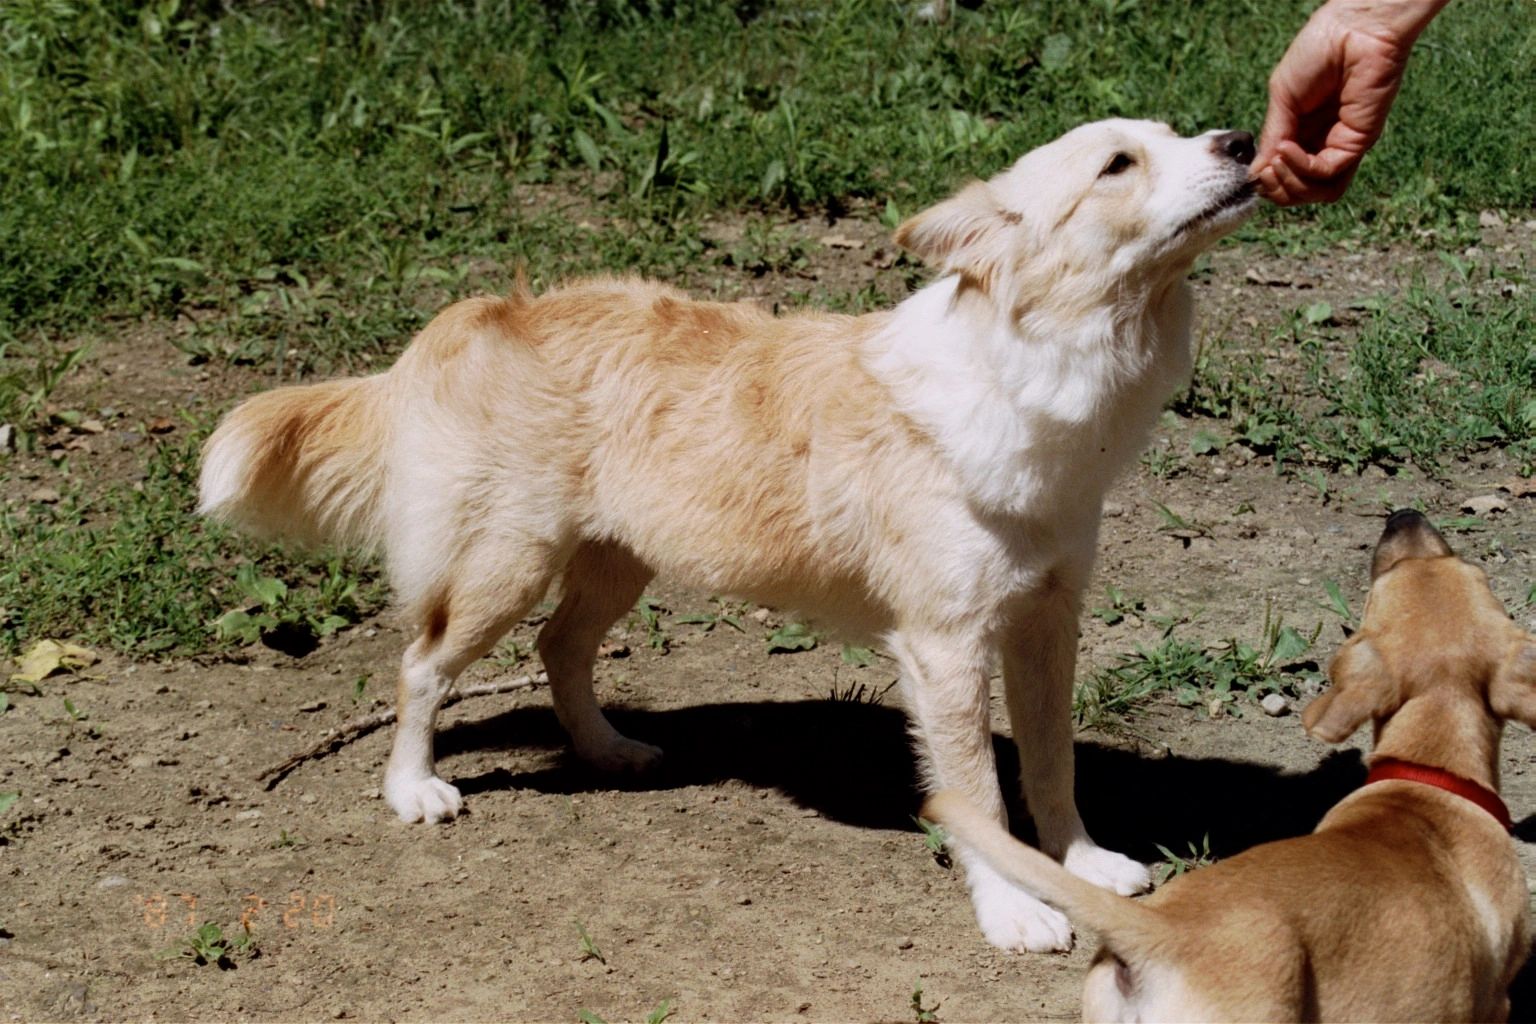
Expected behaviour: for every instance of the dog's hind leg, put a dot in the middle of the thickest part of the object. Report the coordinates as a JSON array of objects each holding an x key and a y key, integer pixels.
[
  {"x": 945, "y": 680},
  {"x": 489, "y": 590},
  {"x": 1039, "y": 659},
  {"x": 602, "y": 582}
]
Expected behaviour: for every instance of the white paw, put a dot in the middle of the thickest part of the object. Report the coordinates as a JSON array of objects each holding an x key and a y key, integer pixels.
[
  {"x": 1107, "y": 869},
  {"x": 1012, "y": 919},
  {"x": 429, "y": 799},
  {"x": 619, "y": 755}
]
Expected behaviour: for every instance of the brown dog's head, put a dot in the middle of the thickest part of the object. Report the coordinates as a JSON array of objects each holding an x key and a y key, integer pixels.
[{"x": 1430, "y": 622}]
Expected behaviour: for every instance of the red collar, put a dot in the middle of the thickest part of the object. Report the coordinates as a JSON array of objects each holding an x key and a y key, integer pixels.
[{"x": 1385, "y": 768}]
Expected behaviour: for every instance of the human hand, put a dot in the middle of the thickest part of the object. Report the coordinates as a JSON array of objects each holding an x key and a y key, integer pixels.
[{"x": 1330, "y": 94}]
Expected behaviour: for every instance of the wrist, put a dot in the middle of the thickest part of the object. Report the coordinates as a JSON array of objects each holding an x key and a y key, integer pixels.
[{"x": 1395, "y": 21}]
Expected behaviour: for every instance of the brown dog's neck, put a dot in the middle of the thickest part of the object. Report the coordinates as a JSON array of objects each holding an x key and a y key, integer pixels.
[
  {"x": 1444, "y": 731},
  {"x": 1387, "y": 769}
]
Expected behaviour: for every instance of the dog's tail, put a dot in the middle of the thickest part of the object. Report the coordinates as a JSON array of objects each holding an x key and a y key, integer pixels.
[
  {"x": 1128, "y": 927},
  {"x": 304, "y": 463}
]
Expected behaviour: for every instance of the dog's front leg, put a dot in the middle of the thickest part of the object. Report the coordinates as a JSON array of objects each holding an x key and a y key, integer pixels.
[
  {"x": 945, "y": 679},
  {"x": 1039, "y": 662}
]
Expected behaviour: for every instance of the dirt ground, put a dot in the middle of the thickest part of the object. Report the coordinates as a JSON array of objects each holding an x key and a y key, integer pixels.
[{"x": 771, "y": 870}]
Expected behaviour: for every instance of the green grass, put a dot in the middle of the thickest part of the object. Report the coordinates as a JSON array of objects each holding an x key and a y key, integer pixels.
[
  {"x": 1218, "y": 676},
  {"x": 1438, "y": 372},
  {"x": 205, "y": 154},
  {"x": 310, "y": 182},
  {"x": 130, "y": 568}
]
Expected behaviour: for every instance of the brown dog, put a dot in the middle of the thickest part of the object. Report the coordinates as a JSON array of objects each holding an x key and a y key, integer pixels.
[{"x": 1408, "y": 902}]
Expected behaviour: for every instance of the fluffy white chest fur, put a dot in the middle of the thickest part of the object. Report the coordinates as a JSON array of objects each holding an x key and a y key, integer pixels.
[{"x": 1036, "y": 414}]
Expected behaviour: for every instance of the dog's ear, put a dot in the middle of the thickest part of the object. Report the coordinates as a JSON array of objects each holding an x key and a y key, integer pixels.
[
  {"x": 1361, "y": 689},
  {"x": 1512, "y": 693},
  {"x": 963, "y": 233}
]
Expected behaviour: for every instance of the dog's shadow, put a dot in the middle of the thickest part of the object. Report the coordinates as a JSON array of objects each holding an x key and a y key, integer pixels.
[{"x": 853, "y": 763}]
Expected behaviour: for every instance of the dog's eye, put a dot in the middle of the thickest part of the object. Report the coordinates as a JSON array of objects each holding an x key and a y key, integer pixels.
[{"x": 1118, "y": 163}]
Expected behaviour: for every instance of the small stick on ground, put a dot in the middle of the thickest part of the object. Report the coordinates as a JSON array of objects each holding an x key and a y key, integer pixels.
[{"x": 364, "y": 724}]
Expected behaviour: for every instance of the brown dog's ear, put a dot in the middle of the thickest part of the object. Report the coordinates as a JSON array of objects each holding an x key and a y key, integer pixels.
[
  {"x": 1512, "y": 694},
  {"x": 1361, "y": 689},
  {"x": 963, "y": 233}
]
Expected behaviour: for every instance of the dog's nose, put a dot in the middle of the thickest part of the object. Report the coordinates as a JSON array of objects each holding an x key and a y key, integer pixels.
[
  {"x": 1408, "y": 534},
  {"x": 1405, "y": 519},
  {"x": 1237, "y": 145}
]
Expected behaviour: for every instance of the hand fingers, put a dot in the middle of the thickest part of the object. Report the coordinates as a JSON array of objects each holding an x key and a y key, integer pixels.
[
  {"x": 1269, "y": 187},
  {"x": 1295, "y": 184},
  {"x": 1325, "y": 165},
  {"x": 1280, "y": 122}
]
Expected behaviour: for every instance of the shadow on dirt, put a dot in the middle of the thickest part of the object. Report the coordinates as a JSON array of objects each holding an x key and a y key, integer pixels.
[{"x": 853, "y": 764}]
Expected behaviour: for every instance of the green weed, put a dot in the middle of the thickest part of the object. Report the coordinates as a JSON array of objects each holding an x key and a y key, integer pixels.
[
  {"x": 1211, "y": 675},
  {"x": 935, "y": 841},
  {"x": 858, "y": 657},
  {"x": 287, "y": 841},
  {"x": 130, "y": 567},
  {"x": 589, "y": 950},
  {"x": 209, "y": 945},
  {"x": 650, "y": 612},
  {"x": 791, "y": 637},
  {"x": 920, "y": 1013},
  {"x": 1119, "y": 607},
  {"x": 723, "y": 613},
  {"x": 1163, "y": 462},
  {"x": 663, "y": 1010},
  {"x": 1172, "y": 865},
  {"x": 28, "y": 380},
  {"x": 272, "y": 615},
  {"x": 1337, "y": 603}
]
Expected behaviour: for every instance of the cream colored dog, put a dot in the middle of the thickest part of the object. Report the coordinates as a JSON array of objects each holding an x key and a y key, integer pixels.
[
  {"x": 1408, "y": 902},
  {"x": 932, "y": 474}
]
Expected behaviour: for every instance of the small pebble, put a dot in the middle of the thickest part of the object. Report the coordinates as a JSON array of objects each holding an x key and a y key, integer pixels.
[
  {"x": 905, "y": 943},
  {"x": 1275, "y": 705},
  {"x": 250, "y": 815},
  {"x": 314, "y": 705}
]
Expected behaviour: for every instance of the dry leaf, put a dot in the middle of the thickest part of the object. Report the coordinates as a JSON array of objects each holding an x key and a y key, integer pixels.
[{"x": 48, "y": 657}]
